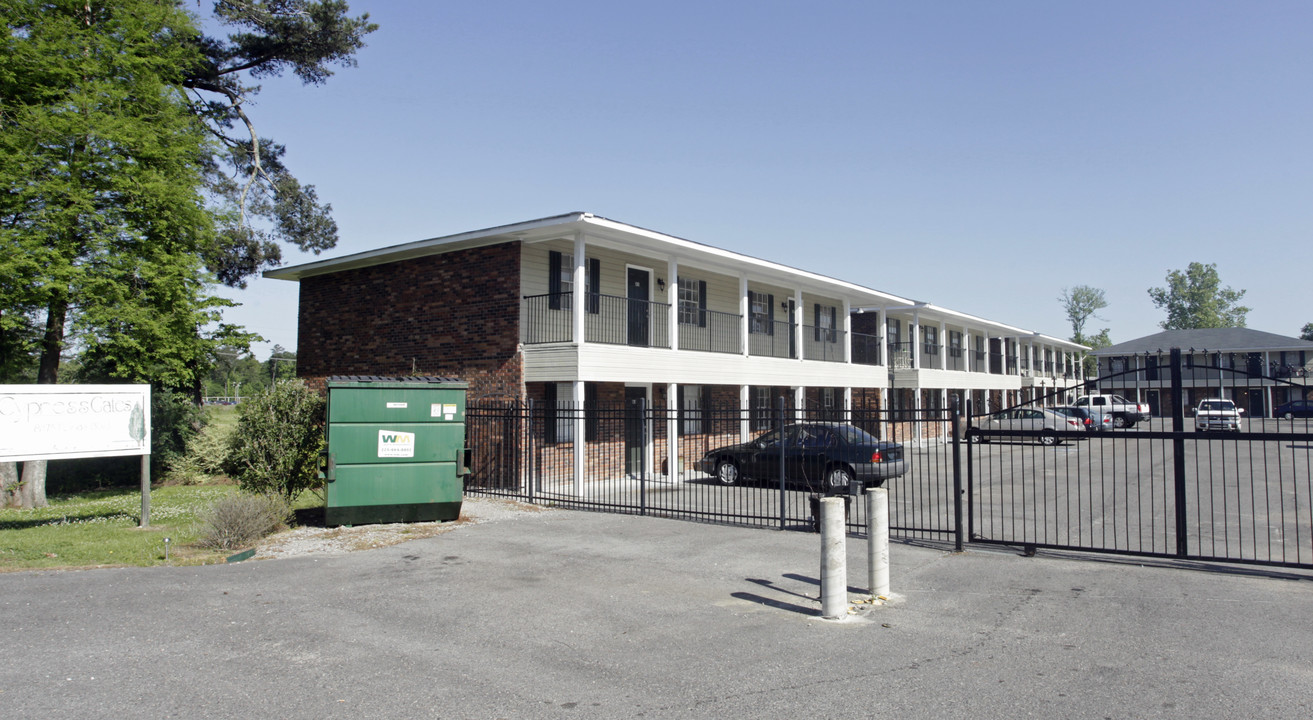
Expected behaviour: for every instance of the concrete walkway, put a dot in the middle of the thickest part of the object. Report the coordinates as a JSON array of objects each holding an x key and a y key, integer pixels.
[{"x": 580, "y": 615}]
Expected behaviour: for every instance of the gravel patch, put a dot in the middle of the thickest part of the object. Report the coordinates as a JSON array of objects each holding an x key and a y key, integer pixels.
[{"x": 341, "y": 540}]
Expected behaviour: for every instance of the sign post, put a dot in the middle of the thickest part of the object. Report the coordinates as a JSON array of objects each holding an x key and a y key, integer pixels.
[{"x": 58, "y": 422}]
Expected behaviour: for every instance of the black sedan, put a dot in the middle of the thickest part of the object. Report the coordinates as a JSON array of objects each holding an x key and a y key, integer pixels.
[
  {"x": 820, "y": 456},
  {"x": 1294, "y": 409}
]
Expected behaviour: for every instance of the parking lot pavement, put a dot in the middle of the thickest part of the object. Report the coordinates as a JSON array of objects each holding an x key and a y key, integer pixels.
[{"x": 579, "y": 615}]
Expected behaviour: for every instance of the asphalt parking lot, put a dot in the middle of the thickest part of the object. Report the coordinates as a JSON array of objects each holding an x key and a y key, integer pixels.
[{"x": 572, "y": 614}]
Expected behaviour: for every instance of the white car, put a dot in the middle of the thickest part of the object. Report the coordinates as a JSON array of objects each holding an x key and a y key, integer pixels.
[
  {"x": 1041, "y": 420},
  {"x": 1217, "y": 415}
]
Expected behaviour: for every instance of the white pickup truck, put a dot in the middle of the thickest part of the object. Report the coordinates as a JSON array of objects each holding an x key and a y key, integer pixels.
[
  {"x": 1123, "y": 412},
  {"x": 1217, "y": 415}
]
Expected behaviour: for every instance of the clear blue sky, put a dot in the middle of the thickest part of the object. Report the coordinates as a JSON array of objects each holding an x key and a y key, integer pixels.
[{"x": 980, "y": 156}]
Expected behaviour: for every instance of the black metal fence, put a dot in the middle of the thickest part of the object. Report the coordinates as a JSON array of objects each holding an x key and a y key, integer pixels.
[
  {"x": 527, "y": 452},
  {"x": 1159, "y": 487},
  {"x": 1166, "y": 485}
]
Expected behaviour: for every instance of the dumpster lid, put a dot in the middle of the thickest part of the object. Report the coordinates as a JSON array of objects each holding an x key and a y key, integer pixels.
[{"x": 407, "y": 380}]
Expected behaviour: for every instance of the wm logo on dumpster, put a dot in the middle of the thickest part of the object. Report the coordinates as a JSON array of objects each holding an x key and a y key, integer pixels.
[{"x": 396, "y": 444}]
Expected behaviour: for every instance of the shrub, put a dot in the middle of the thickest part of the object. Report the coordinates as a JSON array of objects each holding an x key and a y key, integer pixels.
[
  {"x": 238, "y": 520},
  {"x": 279, "y": 436},
  {"x": 203, "y": 458}
]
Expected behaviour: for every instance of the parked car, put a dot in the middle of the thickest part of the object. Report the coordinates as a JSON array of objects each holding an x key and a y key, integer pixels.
[
  {"x": 1294, "y": 409},
  {"x": 1046, "y": 422},
  {"x": 1217, "y": 415},
  {"x": 821, "y": 456},
  {"x": 1091, "y": 425},
  {"x": 1124, "y": 413}
]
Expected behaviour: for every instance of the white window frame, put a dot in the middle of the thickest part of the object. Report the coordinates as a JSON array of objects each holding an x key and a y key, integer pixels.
[{"x": 690, "y": 301}]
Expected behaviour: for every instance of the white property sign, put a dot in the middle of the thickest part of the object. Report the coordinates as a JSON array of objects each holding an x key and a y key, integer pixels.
[{"x": 54, "y": 422}]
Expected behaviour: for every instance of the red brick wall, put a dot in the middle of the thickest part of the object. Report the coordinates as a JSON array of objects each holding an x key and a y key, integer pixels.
[{"x": 455, "y": 315}]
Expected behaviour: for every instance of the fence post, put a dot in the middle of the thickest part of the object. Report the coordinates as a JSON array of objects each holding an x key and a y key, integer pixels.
[
  {"x": 642, "y": 456},
  {"x": 958, "y": 530},
  {"x": 1178, "y": 454},
  {"x": 779, "y": 426},
  {"x": 533, "y": 458},
  {"x": 971, "y": 478}
]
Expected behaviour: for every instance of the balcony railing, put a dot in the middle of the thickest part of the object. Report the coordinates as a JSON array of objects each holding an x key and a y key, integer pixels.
[
  {"x": 824, "y": 344},
  {"x": 955, "y": 361},
  {"x": 547, "y": 318},
  {"x": 715, "y": 332},
  {"x": 866, "y": 349},
  {"x": 610, "y": 320},
  {"x": 622, "y": 321},
  {"x": 900, "y": 356},
  {"x": 776, "y": 340}
]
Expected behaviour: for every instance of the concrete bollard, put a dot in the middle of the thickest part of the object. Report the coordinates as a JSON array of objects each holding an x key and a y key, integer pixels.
[
  {"x": 834, "y": 559},
  {"x": 877, "y": 535}
]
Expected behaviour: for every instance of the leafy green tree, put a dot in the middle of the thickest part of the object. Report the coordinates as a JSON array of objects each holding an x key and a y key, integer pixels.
[
  {"x": 1306, "y": 333},
  {"x": 1196, "y": 299},
  {"x": 117, "y": 193}
]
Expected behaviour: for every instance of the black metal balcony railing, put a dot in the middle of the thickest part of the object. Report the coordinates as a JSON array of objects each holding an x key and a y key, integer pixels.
[
  {"x": 979, "y": 361},
  {"x": 547, "y": 318},
  {"x": 612, "y": 320},
  {"x": 928, "y": 350},
  {"x": 1012, "y": 366},
  {"x": 900, "y": 356},
  {"x": 716, "y": 332},
  {"x": 777, "y": 341},
  {"x": 866, "y": 349},
  {"x": 622, "y": 321},
  {"x": 955, "y": 361},
  {"x": 824, "y": 344}
]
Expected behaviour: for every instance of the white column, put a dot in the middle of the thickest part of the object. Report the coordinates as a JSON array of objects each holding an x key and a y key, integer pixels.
[
  {"x": 745, "y": 399},
  {"x": 798, "y": 315},
  {"x": 577, "y": 307},
  {"x": 968, "y": 352},
  {"x": 881, "y": 342},
  {"x": 916, "y": 415},
  {"x": 847, "y": 332},
  {"x": 672, "y": 432},
  {"x": 672, "y": 298},
  {"x": 943, "y": 346},
  {"x": 744, "y": 308},
  {"x": 914, "y": 331},
  {"x": 580, "y": 455},
  {"x": 799, "y": 403},
  {"x": 847, "y": 404}
]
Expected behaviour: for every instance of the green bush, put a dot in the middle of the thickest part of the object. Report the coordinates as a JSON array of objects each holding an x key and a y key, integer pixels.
[
  {"x": 203, "y": 457},
  {"x": 279, "y": 436},
  {"x": 239, "y": 520}
]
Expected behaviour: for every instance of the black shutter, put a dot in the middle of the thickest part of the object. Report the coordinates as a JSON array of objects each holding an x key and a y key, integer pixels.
[
  {"x": 549, "y": 412},
  {"x": 702, "y": 303},
  {"x": 816, "y": 322},
  {"x": 594, "y": 285},
  {"x": 834, "y": 324},
  {"x": 590, "y": 412},
  {"x": 554, "y": 280},
  {"x": 770, "y": 314}
]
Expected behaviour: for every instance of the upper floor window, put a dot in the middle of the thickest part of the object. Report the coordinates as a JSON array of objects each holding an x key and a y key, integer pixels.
[
  {"x": 692, "y": 302},
  {"x": 825, "y": 317},
  {"x": 761, "y": 307}
]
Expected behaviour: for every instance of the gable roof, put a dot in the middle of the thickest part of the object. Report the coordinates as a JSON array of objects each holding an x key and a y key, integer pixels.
[{"x": 1211, "y": 339}]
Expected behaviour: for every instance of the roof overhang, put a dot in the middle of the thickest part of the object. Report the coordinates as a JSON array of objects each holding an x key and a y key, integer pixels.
[{"x": 602, "y": 232}]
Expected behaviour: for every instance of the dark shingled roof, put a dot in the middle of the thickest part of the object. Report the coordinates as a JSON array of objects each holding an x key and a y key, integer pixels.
[{"x": 1213, "y": 339}]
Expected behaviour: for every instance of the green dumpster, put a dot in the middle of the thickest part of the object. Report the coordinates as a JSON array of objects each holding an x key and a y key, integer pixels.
[{"x": 395, "y": 449}]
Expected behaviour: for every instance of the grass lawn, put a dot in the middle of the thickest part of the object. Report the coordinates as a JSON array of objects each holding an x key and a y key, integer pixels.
[{"x": 99, "y": 529}]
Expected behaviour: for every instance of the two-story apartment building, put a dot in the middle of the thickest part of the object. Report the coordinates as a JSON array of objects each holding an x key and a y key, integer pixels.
[
  {"x": 1258, "y": 370},
  {"x": 577, "y": 310}
]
